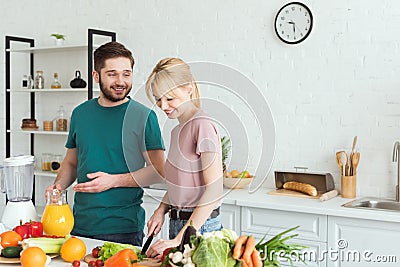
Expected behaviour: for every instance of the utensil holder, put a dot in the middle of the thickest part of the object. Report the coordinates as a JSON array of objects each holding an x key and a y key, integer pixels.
[{"x": 349, "y": 186}]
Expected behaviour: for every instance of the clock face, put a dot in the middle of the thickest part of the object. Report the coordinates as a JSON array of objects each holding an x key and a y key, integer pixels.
[{"x": 293, "y": 23}]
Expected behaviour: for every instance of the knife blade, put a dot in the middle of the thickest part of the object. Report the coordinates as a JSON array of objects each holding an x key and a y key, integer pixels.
[{"x": 147, "y": 244}]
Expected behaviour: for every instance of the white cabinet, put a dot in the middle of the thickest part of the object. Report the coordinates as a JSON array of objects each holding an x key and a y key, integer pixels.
[
  {"x": 150, "y": 204},
  {"x": 358, "y": 242},
  {"x": 230, "y": 217},
  {"x": 312, "y": 231}
]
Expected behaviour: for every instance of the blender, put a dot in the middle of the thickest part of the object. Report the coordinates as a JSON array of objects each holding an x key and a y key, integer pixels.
[{"x": 18, "y": 185}]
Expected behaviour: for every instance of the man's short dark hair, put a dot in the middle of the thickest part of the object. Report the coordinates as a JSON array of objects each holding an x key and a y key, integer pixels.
[{"x": 110, "y": 50}]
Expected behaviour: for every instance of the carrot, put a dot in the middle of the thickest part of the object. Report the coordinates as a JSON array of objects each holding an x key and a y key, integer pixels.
[
  {"x": 250, "y": 246},
  {"x": 238, "y": 249},
  {"x": 244, "y": 264},
  {"x": 255, "y": 257}
]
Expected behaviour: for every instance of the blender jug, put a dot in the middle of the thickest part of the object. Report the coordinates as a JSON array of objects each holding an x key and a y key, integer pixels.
[
  {"x": 18, "y": 180},
  {"x": 18, "y": 175}
]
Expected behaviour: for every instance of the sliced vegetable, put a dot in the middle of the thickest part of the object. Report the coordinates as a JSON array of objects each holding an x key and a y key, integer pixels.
[{"x": 47, "y": 244}]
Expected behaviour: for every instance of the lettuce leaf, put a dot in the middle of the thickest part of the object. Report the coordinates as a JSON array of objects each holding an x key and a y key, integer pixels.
[{"x": 109, "y": 249}]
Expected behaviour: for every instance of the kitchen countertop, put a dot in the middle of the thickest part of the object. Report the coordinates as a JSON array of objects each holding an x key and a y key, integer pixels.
[{"x": 261, "y": 199}]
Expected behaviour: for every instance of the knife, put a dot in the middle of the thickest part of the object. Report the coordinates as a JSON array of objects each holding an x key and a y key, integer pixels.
[{"x": 147, "y": 244}]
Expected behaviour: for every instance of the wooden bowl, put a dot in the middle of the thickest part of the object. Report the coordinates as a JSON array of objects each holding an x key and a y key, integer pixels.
[{"x": 237, "y": 183}]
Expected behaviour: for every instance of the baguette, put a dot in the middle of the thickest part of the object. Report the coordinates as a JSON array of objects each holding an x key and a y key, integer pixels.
[{"x": 301, "y": 187}]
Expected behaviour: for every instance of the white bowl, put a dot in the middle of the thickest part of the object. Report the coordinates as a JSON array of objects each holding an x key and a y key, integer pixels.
[{"x": 237, "y": 183}]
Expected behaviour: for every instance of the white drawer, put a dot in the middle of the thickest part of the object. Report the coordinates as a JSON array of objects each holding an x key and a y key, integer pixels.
[{"x": 313, "y": 227}]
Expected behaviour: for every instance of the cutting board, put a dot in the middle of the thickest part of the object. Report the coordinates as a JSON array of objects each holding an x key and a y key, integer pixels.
[
  {"x": 291, "y": 193},
  {"x": 147, "y": 262}
]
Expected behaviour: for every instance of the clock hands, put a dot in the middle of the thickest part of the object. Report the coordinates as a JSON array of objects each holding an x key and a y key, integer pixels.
[{"x": 294, "y": 26}]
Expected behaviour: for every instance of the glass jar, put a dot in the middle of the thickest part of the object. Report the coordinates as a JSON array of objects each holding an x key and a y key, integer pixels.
[
  {"x": 46, "y": 161},
  {"x": 57, "y": 217},
  {"x": 55, "y": 163},
  {"x": 39, "y": 80},
  {"x": 61, "y": 120},
  {"x": 56, "y": 84}
]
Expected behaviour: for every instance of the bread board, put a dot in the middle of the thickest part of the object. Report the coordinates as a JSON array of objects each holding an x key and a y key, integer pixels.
[
  {"x": 291, "y": 193},
  {"x": 146, "y": 262}
]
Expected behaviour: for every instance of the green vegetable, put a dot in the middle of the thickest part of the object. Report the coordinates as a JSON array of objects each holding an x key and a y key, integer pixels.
[
  {"x": 47, "y": 244},
  {"x": 213, "y": 251},
  {"x": 109, "y": 249},
  {"x": 11, "y": 252},
  {"x": 278, "y": 244}
]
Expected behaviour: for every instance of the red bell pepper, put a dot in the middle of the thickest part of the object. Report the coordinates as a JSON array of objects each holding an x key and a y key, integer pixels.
[
  {"x": 36, "y": 229},
  {"x": 23, "y": 230}
]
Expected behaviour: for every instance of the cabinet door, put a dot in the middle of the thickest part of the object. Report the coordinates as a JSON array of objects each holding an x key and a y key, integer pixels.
[
  {"x": 230, "y": 217},
  {"x": 313, "y": 227},
  {"x": 309, "y": 254},
  {"x": 150, "y": 205},
  {"x": 356, "y": 242}
]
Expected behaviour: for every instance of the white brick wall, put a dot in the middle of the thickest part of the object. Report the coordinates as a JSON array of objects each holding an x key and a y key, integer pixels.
[{"x": 342, "y": 81}]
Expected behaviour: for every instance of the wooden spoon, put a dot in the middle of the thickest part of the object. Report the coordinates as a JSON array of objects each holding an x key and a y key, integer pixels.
[
  {"x": 354, "y": 162},
  {"x": 343, "y": 161},
  {"x": 338, "y": 160}
]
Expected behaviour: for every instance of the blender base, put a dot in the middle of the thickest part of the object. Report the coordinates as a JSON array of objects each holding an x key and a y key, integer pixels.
[{"x": 14, "y": 212}]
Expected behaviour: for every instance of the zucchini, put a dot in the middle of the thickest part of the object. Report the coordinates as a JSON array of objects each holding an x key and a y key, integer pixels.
[{"x": 11, "y": 252}]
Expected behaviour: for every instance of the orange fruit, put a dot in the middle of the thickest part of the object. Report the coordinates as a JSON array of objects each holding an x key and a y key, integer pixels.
[
  {"x": 235, "y": 173},
  {"x": 33, "y": 257},
  {"x": 10, "y": 238},
  {"x": 73, "y": 249}
]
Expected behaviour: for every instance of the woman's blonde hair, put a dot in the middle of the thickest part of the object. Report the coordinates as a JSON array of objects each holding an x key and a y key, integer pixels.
[{"x": 168, "y": 75}]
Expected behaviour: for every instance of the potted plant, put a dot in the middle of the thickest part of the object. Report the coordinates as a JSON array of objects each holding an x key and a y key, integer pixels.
[
  {"x": 225, "y": 142},
  {"x": 59, "y": 38}
]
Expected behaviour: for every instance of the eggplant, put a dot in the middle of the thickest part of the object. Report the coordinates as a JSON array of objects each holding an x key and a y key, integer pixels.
[{"x": 190, "y": 230}]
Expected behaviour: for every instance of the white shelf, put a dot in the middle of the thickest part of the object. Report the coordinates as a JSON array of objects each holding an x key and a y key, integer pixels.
[
  {"x": 50, "y": 49},
  {"x": 24, "y": 90},
  {"x": 38, "y": 132},
  {"x": 45, "y": 173}
]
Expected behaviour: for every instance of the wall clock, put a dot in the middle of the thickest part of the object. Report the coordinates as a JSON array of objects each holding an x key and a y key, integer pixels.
[{"x": 293, "y": 22}]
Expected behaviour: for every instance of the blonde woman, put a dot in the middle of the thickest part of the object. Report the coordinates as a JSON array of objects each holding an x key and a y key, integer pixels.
[{"x": 193, "y": 168}]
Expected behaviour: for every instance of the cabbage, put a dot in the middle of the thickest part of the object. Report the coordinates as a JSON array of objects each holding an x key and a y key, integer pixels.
[{"x": 213, "y": 251}]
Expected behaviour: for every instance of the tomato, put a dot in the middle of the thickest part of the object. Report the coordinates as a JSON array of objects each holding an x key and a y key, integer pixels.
[
  {"x": 76, "y": 263},
  {"x": 95, "y": 252},
  {"x": 99, "y": 263},
  {"x": 92, "y": 264}
]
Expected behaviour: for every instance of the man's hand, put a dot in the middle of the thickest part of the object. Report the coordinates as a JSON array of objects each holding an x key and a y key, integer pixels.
[
  {"x": 51, "y": 188},
  {"x": 100, "y": 181}
]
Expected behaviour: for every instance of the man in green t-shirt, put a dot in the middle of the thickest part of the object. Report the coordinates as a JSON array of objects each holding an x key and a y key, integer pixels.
[{"x": 114, "y": 148}]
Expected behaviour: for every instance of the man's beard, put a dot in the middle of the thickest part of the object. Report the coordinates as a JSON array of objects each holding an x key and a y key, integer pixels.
[{"x": 108, "y": 92}]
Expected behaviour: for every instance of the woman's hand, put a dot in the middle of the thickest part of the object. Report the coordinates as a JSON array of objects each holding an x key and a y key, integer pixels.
[
  {"x": 156, "y": 250},
  {"x": 156, "y": 222}
]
